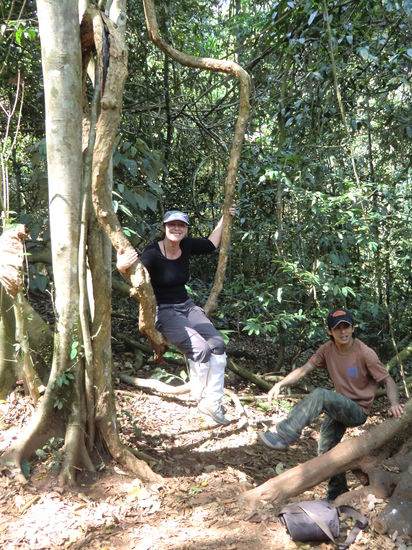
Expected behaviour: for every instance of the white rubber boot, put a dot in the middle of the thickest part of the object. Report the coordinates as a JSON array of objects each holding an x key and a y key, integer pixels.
[
  {"x": 212, "y": 396},
  {"x": 198, "y": 378}
]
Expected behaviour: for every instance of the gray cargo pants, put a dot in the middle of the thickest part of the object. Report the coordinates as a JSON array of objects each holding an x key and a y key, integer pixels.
[{"x": 186, "y": 326}]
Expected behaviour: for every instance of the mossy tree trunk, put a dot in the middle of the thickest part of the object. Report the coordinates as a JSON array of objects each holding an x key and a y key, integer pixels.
[
  {"x": 8, "y": 371},
  {"x": 40, "y": 340}
]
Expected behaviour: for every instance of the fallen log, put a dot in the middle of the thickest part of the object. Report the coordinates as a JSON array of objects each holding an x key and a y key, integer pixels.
[
  {"x": 248, "y": 375},
  {"x": 363, "y": 453},
  {"x": 156, "y": 385}
]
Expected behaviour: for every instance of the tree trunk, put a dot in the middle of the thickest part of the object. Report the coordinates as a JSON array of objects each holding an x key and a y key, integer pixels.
[
  {"x": 31, "y": 379},
  {"x": 100, "y": 401},
  {"x": 364, "y": 453},
  {"x": 40, "y": 341},
  {"x": 79, "y": 396},
  {"x": 100, "y": 33},
  {"x": 8, "y": 373},
  {"x": 61, "y": 59},
  {"x": 105, "y": 413},
  {"x": 23, "y": 333}
]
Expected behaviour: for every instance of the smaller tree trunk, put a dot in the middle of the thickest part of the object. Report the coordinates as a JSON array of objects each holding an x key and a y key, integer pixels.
[
  {"x": 39, "y": 346},
  {"x": 31, "y": 379},
  {"x": 99, "y": 254},
  {"x": 8, "y": 373}
]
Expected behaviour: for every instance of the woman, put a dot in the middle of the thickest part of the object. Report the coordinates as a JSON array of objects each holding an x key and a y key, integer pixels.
[{"x": 178, "y": 318}]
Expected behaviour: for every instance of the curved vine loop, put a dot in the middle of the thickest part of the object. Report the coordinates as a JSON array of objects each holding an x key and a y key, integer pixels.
[{"x": 224, "y": 66}]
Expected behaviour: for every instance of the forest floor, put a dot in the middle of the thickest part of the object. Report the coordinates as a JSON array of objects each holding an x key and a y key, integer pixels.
[{"x": 204, "y": 469}]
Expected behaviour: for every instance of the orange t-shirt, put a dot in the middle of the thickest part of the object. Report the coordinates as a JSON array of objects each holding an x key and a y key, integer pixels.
[{"x": 355, "y": 373}]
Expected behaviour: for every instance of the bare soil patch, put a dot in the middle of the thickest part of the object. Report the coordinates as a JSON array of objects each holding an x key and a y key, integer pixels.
[{"x": 204, "y": 468}]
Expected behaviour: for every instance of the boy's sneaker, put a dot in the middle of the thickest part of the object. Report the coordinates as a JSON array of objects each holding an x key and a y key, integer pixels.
[
  {"x": 218, "y": 414},
  {"x": 273, "y": 441}
]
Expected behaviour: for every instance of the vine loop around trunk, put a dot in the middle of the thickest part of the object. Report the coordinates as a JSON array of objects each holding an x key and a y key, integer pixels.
[{"x": 99, "y": 33}]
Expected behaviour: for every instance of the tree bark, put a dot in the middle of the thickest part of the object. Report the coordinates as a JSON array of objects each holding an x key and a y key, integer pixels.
[
  {"x": 11, "y": 259},
  {"x": 396, "y": 516},
  {"x": 228, "y": 67},
  {"x": 31, "y": 379},
  {"x": 8, "y": 373},
  {"x": 39, "y": 337}
]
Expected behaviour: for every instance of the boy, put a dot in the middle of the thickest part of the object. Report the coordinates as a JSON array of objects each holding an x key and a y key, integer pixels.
[{"x": 355, "y": 370}]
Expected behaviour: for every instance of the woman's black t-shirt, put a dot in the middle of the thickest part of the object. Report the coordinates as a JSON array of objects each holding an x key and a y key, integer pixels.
[{"x": 169, "y": 277}]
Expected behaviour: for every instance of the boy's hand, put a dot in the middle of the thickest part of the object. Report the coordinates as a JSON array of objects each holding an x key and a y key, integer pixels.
[
  {"x": 274, "y": 392},
  {"x": 395, "y": 411}
]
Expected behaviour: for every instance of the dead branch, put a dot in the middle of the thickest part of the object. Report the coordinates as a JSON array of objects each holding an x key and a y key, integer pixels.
[
  {"x": 156, "y": 385},
  {"x": 248, "y": 375}
]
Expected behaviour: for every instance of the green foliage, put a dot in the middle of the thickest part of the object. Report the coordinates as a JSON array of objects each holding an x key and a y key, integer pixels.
[
  {"x": 193, "y": 490},
  {"x": 63, "y": 380},
  {"x": 226, "y": 335},
  {"x": 311, "y": 231},
  {"x": 25, "y": 468},
  {"x": 137, "y": 185},
  {"x": 161, "y": 374},
  {"x": 52, "y": 453},
  {"x": 259, "y": 326},
  {"x": 74, "y": 350},
  {"x": 263, "y": 406}
]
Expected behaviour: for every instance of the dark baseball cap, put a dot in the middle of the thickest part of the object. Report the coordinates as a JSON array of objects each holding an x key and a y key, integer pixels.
[
  {"x": 176, "y": 215},
  {"x": 339, "y": 315}
]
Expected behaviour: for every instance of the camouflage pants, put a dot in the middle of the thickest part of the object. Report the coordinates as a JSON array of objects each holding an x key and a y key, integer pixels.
[{"x": 340, "y": 413}]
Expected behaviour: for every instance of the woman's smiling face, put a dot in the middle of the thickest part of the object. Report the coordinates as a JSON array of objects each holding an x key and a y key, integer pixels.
[{"x": 175, "y": 231}]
